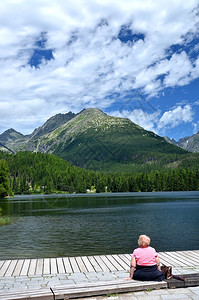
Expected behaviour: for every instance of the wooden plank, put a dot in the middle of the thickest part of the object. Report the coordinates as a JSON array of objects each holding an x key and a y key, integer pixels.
[
  {"x": 36, "y": 294},
  {"x": 46, "y": 269},
  {"x": 67, "y": 265},
  {"x": 120, "y": 261},
  {"x": 195, "y": 251},
  {"x": 66, "y": 292},
  {"x": 91, "y": 263},
  {"x": 167, "y": 260},
  {"x": 88, "y": 264},
  {"x": 193, "y": 255},
  {"x": 81, "y": 265},
  {"x": 53, "y": 266},
  {"x": 182, "y": 258},
  {"x": 95, "y": 264},
  {"x": 191, "y": 280},
  {"x": 175, "y": 257},
  {"x": 74, "y": 265},
  {"x": 102, "y": 264},
  {"x": 85, "y": 285},
  {"x": 188, "y": 254},
  {"x": 1, "y": 263},
  {"x": 128, "y": 256},
  {"x": 60, "y": 266},
  {"x": 163, "y": 260},
  {"x": 32, "y": 267},
  {"x": 11, "y": 268},
  {"x": 25, "y": 268},
  {"x": 115, "y": 262},
  {"x": 107, "y": 262},
  {"x": 171, "y": 261},
  {"x": 88, "y": 290},
  {"x": 94, "y": 284},
  {"x": 179, "y": 257},
  {"x": 4, "y": 267},
  {"x": 18, "y": 268},
  {"x": 39, "y": 267},
  {"x": 126, "y": 260}
]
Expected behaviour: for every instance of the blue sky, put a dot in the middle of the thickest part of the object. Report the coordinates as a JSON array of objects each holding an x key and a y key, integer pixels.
[{"x": 137, "y": 59}]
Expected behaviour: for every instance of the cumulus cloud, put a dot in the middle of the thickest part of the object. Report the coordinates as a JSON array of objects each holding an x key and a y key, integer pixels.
[
  {"x": 155, "y": 120},
  {"x": 176, "y": 116},
  {"x": 138, "y": 116},
  {"x": 91, "y": 63}
]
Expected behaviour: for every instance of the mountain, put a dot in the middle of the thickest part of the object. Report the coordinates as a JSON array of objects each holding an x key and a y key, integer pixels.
[
  {"x": 17, "y": 141},
  {"x": 189, "y": 143},
  {"x": 12, "y": 139},
  {"x": 95, "y": 140},
  {"x": 171, "y": 141},
  {"x": 10, "y": 135},
  {"x": 52, "y": 123}
]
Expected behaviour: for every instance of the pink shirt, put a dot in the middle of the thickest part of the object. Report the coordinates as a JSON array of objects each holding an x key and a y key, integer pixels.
[{"x": 145, "y": 256}]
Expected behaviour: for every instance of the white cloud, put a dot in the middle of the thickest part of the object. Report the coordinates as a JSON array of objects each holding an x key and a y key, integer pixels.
[
  {"x": 88, "y": 68},
  {"x": 138, "y": 116},
  {"x": 156, "y": 121},
  {"x": 175, "y": 117}
]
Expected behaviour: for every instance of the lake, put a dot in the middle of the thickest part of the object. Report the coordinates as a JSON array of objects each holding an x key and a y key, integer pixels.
[{"x": 92, "y": 224}]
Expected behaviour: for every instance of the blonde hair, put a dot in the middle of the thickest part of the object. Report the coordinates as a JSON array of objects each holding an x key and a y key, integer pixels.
[{"x": 144, "y": 241}]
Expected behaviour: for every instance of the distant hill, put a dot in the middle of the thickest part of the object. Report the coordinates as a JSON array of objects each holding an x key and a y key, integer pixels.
[
  {"x": 95, "y": 140},
  {"x": 189, "y": 143}
]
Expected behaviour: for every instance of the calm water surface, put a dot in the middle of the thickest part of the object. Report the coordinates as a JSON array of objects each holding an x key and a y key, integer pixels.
[{"x": 71, "y": 225}]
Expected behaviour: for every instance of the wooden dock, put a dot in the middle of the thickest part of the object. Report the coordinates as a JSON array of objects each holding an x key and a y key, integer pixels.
[
  {"x": 84, "y": 264},
  {"x": 107, "y": 264}
]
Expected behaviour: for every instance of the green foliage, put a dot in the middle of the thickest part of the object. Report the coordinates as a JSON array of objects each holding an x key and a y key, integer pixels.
[
  {"x": 46, "y": 173},
  {"x": 117, "y": 149},
  {"x": 5, "y": 220},
  {"x": 4, "y": 179}
]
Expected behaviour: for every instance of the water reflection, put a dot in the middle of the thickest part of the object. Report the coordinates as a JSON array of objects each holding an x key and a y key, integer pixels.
[{"x": 89, "y": 225}]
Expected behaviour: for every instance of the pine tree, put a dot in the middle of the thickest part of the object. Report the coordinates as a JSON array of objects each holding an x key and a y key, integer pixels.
[{"x": 4, "y": 179}]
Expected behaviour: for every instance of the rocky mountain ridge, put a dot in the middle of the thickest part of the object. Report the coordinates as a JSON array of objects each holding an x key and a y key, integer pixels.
[
  {"x": 95, "y": 140},
  {"x": 189, "y": 143}
]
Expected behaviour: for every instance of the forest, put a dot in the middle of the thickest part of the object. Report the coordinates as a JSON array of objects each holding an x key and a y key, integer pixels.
[{"x": 31, "y": 173}]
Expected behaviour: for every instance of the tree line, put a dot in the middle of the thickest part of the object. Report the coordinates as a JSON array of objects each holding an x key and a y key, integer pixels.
[{"x": 27, "y": 173}]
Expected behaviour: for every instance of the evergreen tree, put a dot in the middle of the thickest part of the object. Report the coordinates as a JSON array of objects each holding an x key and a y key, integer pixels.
[
  {"x": 100, "y": 186},
  {"x": 4, "y": 179}
]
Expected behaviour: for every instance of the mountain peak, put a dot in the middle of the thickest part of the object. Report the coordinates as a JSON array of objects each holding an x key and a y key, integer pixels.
[
  {"x": 52, "y": 123},
  {"x": 90, "y": 111},
  {"x": 93, "y": 139},
  {"x": 10, "y": 135}
]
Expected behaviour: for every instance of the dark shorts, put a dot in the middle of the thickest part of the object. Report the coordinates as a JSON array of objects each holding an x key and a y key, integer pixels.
[{"x": 148, "y": 273}]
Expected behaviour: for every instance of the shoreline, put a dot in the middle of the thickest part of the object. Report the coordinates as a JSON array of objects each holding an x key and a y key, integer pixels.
[{"x": 119, "y": 194}]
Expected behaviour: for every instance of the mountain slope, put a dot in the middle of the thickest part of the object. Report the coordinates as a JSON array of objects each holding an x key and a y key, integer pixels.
[
  {"x": 13, "y": 140},
  {"x": 189, "y": 143},
  {"x": 17, "y": 141},
  {"x": 93, "y": 139},
  {"x": 52, "y": 123},
  {"x": 10, "y": 135}
]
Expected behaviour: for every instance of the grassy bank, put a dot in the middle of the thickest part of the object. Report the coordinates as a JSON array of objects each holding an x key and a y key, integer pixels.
[{"x": 5, "y": 220}]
